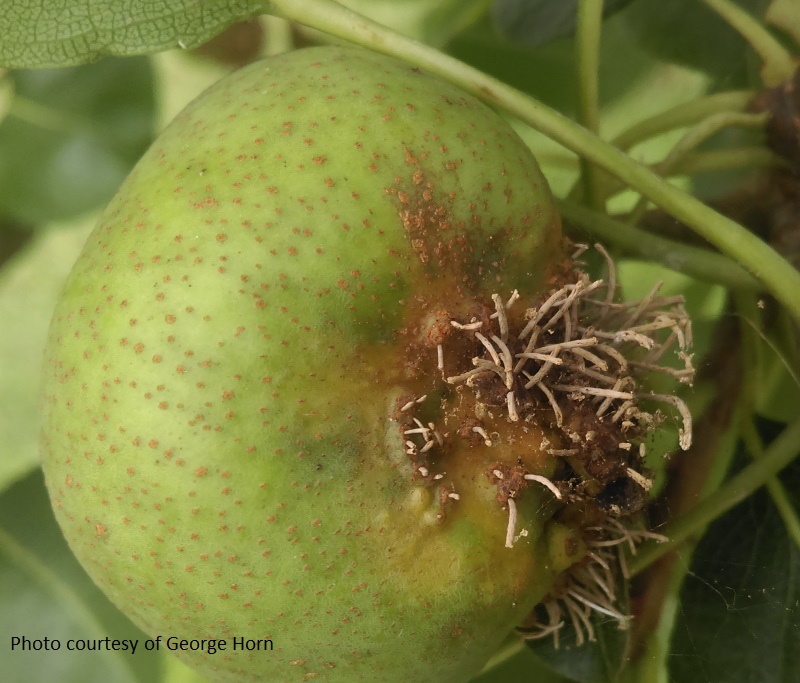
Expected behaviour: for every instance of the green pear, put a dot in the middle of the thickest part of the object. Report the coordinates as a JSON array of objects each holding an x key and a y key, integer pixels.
[{"x": 248, "y": 432}]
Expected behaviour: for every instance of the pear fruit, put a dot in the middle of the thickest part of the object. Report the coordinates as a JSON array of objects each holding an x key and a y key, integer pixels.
[{"x": 249, "y": 437}]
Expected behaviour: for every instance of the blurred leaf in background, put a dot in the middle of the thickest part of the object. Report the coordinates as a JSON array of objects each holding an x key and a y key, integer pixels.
[
  {"x": 538, "y": 22},
  {"x": 45, "y": 593},
  {"x": 688, "y": 32},
  {"x": 599, "y": 661},
  {"x": 30, "y": 283},
  {"x": 739, "y": 611},
  {"x": 70, "y": 136}
]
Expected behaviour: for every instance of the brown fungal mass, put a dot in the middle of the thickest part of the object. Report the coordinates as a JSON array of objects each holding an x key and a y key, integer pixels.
[
  {"x": 575, "y": 363},
  {"x": 510, "y": 480}
]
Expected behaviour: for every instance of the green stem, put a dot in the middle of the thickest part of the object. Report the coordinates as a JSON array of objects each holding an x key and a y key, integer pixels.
[
  {"x": 727, "y": 159},
  {"x": 750, "y": 329},
  {"x": 780, "y": 453},
  {"x": 701, "y": 130},
  {"x": 684, "y": 115},
  {"x": 789, "y": 344},
  {"x": 692, "y": 139},
  {"x": 777, "y": 276},
  {"x": 702, "y": 264},
  {"x": 778, "y": 64},
  {"x": 776, "y": 490},
  {"x": 706, "y": 129},
  {"x": 6, "y": 93},
  {"x": 785, "y": 16},
  {"x": 510, "y": 647},
  {"x": 587, "y": 43},
  {"x": 279, "y": 35},
  {"x": 753, "y": 335},
  {"x": 42, "y": 116},
  {"x": 652, "y": 665}
]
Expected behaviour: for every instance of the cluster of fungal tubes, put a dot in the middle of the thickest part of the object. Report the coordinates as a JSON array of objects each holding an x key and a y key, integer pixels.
[
  {"x": 591, "y": 586},
  {"x": 576, "y": 362}
]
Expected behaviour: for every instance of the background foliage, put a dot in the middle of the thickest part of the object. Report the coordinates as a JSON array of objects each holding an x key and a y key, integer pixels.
[{"x": 727, "y": 609}]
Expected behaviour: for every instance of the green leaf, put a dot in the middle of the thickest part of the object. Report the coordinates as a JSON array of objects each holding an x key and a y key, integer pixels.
[
  {"x": 537, "y": 22},
  {"x": 689, "y": 33},
  {"x": 13, "y": 237},
  {"x": 29, "y": 286},
  {"x": 739, "y": 618},
  {"x": 58, "y": 33},
  {"x": 523, "y": 667},
  {"x": 175, "y": 671},
  {"x": 548, "y": 72},
  {"x": 778, "y": 393},
  {"x": 599, "y": 661},
  {"x": 45, "y": 593},
  {"x": 72, "y": 135}
]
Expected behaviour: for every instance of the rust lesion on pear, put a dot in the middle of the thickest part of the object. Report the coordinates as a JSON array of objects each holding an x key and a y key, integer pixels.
[{"x": 545, "y": 391}]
